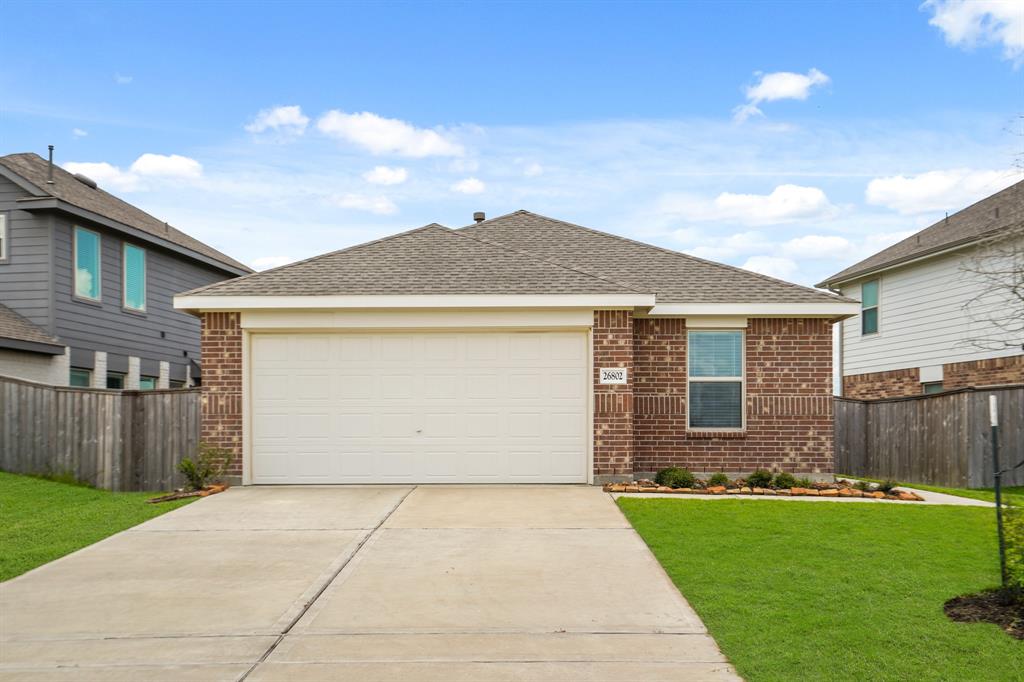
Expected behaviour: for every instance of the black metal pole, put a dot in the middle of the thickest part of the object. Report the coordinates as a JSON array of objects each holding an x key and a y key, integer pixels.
[{"x": 993, "y": 410}]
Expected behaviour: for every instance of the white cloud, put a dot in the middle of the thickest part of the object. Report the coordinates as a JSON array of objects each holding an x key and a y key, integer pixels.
[
  {"x": 816, "y": 246},
  {"x": 969, "y": 23},
  {"x": 168, "y": 166},
  {"x": 386, "y": 175},
  {"x": 359, "y": 202},
  {"x": 776, "y": 86},
  {"x": 123, "y": 80},
  {"x": 267, "y": 262},
  {"x": 533, "y": 170},
  {"x": 78, "y": 132},
  {"x": 106, "y": 175},
  {"x": 381, "y": 135},
  {"x": 773, "y": 266},
  {"x": 941, "y": 190},
  {"x": 288, "y": 120},
  {"x": 469, "y": 186},
  {"x": 785, "y": 203}
]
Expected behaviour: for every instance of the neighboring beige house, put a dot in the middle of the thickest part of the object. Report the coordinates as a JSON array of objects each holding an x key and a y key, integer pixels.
[{"x": 929, "y": 321}]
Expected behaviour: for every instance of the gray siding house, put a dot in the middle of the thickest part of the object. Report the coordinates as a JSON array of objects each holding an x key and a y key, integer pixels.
[{"x": 86, "y": 282}]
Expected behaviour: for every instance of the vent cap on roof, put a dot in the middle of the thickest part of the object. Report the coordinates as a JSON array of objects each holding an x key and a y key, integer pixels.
[
  {"x": 479, "y": 216},
  {"x": 85, "y": 180}
]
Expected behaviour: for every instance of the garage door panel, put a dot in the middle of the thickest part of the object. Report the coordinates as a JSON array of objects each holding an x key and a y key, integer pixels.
[{"x": 419, "y": 407}]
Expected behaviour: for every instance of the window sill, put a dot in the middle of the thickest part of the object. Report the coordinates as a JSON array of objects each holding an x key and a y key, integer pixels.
[
  {"x": 98, "y": 302},
  {"x": 738, "y": 434}
]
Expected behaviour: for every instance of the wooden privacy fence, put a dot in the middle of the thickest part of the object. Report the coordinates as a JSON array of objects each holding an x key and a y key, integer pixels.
[
  {"x": 941, "y": 439},
  {"x": 117, "y": 440}
]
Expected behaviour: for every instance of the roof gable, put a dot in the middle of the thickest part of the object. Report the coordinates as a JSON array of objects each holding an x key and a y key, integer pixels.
[
  {"x": 429, "y": 260},
  {"x": 1002, "y": 210},
  {"x": 675, "y": 277},
  {"x": 34, "y": 169},
  {"x": 17, "y": 328}
]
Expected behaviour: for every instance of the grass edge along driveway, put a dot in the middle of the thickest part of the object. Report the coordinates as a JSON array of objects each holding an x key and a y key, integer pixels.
[
  {"x": 44, "y": 520},
  {"x": 834, "y": 591}
]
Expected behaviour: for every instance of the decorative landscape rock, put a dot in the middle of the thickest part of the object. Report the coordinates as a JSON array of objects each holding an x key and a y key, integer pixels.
[{"x": 841, "y": 488}]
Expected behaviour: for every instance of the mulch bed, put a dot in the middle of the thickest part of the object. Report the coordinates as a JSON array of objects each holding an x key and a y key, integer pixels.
[
  {"x": 838, "y": 489},
  {"x": 182, "y": 494},
  {"x": 989, "y": 607}
]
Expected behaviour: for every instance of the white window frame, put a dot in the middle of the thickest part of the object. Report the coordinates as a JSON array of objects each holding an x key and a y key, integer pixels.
[
  {"x": 74, "y": 264},
  {"x": 876, "y": 307},
  {"x": 5, "y": 242},
  {"x": 124, "y": 277},
  {"x": 742, "y": 379}
]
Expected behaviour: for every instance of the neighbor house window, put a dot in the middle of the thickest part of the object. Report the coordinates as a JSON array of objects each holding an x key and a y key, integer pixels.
[
  {"x": 930, "y": 387},
  {"x": 87, "y": 264},
  {"x": 115, "y": 380},
  {"x": 80, "y": 377},
  {"x": 715, "y": 379},
  {"x": 176, "y": 384},
  {"x": 869, "y": 307},
  {"x": 134, "y": 265},
  {"x": 4, "y": 245},
  {"x": 147, "y": 383}
]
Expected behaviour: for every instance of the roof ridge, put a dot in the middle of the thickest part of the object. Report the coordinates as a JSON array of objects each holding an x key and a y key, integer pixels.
[
  {"x": 315, "y": 258},
  {"x": 678, "y": 254},
  {"x": 549, "y": 261}
]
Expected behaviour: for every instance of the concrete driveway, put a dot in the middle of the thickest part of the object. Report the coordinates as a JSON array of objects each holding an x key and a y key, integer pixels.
[{"x": 361, "y": 583}]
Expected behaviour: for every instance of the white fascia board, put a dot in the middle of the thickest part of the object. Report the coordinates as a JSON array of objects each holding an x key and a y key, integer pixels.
[
  {"x": 214, "y": 303},
  {"x": 836, "y": 309}
]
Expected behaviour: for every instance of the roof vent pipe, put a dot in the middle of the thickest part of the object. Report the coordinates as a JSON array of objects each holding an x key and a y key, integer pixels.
[
  {"x": 479, "y": 216},
  {"x": 49, "y": 170}
]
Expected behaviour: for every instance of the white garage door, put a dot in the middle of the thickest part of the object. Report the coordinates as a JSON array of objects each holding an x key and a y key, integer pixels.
[{"x": 483, "y": 407}]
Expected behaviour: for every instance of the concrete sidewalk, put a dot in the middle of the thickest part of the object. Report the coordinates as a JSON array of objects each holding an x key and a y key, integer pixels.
[{"x": 361, "y": 583}]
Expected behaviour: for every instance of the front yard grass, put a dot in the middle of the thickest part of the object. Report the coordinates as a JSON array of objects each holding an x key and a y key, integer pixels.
[
  {"x": 833, "y": 591},
  {"x": 42, "y": 520}
]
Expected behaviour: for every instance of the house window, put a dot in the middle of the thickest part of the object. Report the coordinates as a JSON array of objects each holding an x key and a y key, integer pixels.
[
  {"x": 134, "y": 265},
  {"x": 869, "y": 307},
  {"x": 87, "y": 264},
  {"x": 176, "y": 384},
  {"x": 147, "y": 383},
  {"x": 4, "y": 244},
  {"x": 715, "y": 379},
  {"x": 930, "y": 387},
  {"x": 115, "y": 380},
  {"x": 80, "y": 377}
]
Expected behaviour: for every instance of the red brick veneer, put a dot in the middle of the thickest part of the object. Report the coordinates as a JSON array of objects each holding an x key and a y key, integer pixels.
[
  {"x": 991, "y": 372},
  {"x": 221, "y": 346},
  {"x": 875, "y": 385},
  {"x": 613, "y": 404}
]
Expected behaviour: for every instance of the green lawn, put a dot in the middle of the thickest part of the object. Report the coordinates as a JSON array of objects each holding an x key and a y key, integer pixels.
[
  {"x": 1011, "y": 494},
  {"x": 816, "y": 591},
  {"x": 42, "y": 520}
]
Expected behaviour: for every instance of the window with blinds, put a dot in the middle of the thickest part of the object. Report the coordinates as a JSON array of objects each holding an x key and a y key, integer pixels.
[
  {"x": 715, "y": 379},
  {"x": 134, "y": 277}
]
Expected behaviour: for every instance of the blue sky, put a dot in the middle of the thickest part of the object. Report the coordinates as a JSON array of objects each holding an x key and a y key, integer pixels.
[{"x": 791, "y": 138}]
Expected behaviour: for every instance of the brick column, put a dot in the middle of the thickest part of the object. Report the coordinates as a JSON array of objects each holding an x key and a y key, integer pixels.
[
  {"x": 613, "y": 404},
  {"x": 221, "y": 347}
]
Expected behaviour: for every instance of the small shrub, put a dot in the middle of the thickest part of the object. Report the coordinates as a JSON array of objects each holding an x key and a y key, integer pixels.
[
  {"x": 208, "y": 466},
  {"x": 862, "y": 486},
  {"x": 887, "y": 485},
  {"x": 804, "y": 483},
  {"x": 674, "y": 477},
  {"x": 761, "y": 478},
  {"x": 784, "y": 480},
  {"x": 718, "y": 479}
]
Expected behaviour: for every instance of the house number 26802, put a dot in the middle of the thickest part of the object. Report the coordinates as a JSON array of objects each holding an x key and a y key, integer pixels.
[{"x": 613, "y": 375}]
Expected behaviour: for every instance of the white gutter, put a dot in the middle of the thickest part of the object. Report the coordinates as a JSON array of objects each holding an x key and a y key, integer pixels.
[
  {"x": 836, "y": 309},
  {"x": 215, "y": 303}
]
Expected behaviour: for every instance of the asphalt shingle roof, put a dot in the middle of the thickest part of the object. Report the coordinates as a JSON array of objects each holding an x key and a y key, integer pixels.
[
  {"x": 428, "y": 260},
  {"x": 675, "y": 277},
  {"x": 65, "y": 187},
  {"x": 963, "y": 227},
  {"x": 14, "y": 326}
]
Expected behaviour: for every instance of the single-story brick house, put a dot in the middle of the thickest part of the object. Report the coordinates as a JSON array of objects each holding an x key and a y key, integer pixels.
[{"x": 517, "y": 349}]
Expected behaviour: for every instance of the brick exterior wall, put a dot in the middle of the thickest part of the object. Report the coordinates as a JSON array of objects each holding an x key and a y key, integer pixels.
[
  {"x": 903, "y": 382},
  {"x": 789, "y": 401},
  {"x": 613, "y": 404},
  {"x": 221, "y": 347},
  {"x": 893, "y": 384}
]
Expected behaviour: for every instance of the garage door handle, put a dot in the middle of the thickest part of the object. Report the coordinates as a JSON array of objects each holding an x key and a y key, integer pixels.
[{"x": 419, "y": 430}]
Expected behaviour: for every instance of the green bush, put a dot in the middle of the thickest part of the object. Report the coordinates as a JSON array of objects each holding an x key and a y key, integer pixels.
[
  {"x": 208, "y": 466},
  {"x": 887, "y": 485},
  {"x": 762, "y": 478},
  {"x": 804, "y": 483},
  {"x": 784, "y": 480},
  {"x": 862, "y": 485},
  {"x": 1013, "y": 528},
  {"x": 718, "y": 479},
  {"x": 674, "y": 477}
]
